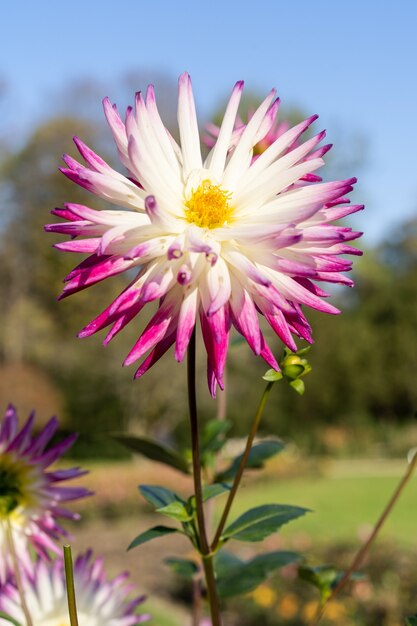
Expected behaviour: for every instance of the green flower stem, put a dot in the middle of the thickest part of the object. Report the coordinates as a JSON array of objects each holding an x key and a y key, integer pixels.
[
  {"x": 198, "y": 488},
  {"x": 17, "y": 574},
  {"x": 360, "y": 555},
  {"x": 69, "y": 578},
  {"x": 242, "y": 465}
]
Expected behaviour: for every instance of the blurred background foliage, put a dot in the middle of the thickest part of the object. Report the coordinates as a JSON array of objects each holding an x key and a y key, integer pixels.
[{"x": 362, "y": 388}]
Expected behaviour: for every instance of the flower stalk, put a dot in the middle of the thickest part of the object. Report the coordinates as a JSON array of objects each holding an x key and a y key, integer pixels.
[
  {"x": 69, "y": 578},
  {"x": 206, "y": 553}
]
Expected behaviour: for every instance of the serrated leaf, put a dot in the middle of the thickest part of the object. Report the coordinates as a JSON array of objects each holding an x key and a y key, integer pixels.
[
  {"x": 244, "y": 577},
  {"x": 259, "y": 453},
  {"x": 298, "y": 385},
  {"x": 176, "y": 510},
  {"x": 154, "y": 451},
  {"x": 272, "y": 376},
  {"x": 183, "y": 567},
  {"x": 262, "y": 521},
  {"x": 10, "y": 619},
  {"x": 152, "y": 533},
  {"x": 159, "y": 496}
]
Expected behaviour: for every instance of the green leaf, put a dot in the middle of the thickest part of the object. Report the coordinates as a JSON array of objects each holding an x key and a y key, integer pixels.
[
  {"x": 262, "y": 521},
  {"x": 212, "y": 438},
  {"x": 183, "y": 567},
  {"x": 272, "y": 376},
  {"x": 225, "y": 562},
  {"x": 212, "y": 491},
  {"x": 324, "y": 577},
  {"x": 319, "y": 576},
  {"x": 154, "y": 451},
  {"x": 298, "y": 385},
  {"x": 9, "y": 619},
  {"x": 259, "y": 453},
  {"x": 243, "y": 577},
  {"x": 176, "y": 510},
  {"x": 153, "y": 533},
  {"x": 411, "y": 621},
  {"x": 159, "y": 496}
]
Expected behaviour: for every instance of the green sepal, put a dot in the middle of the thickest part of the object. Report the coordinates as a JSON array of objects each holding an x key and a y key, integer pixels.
[
  {"x": 259, "y": 453},
  {"x": 159, "y": 497},
  {"x": 324, "y": 577},
  {"x": 154, "y": 451},
  {"x": 183, "y": 567},
  {"x": 411, "y": 620},
  {"x": 262, "y": 521},
  {"x": 298, "y": 385},
  {"x": 176, "y": 510},
  {"x": 152, "y": 533},
  {"x": 272, "y": 376},
  {"x": 294, "y": 371},
  {"x": 10, "y": 619},
  {"x": 239, "y": 577}
]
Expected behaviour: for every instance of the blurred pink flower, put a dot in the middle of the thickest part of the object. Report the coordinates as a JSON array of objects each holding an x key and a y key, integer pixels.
[
  {"x": 277, "y": 129},
  {"x": 30, "y": 499},
  {"x": 224, "y": 240},
  {"x": 100, "y": 602}
]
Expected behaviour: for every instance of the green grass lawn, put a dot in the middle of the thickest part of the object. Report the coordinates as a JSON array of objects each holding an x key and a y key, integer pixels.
[{"x": 344, "y": 501}]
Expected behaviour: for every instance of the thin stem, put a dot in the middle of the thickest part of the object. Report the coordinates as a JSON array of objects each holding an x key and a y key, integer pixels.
[
  {"x": 220, "y": 416},
  {"x": 198, "y": 488},
  {"x": 17, "y": 574},
  {"x": 239, "y": 474},
  {"x": 69, "y": 578},
  {"x": 360, "y": 555}
]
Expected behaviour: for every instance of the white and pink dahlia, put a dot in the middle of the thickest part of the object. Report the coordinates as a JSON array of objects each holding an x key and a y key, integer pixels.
[
  {"x": 225, "y": 239},
  {"x": 100, "y": 602},
  {"x": 31, "y": 498}
]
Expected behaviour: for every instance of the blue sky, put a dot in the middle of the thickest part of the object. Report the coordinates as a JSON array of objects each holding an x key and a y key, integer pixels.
[{"x": 352, "y": 62}]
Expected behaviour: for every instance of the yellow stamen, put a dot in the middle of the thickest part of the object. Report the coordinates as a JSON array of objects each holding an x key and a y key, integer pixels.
[{"x": 209, "y": 206}]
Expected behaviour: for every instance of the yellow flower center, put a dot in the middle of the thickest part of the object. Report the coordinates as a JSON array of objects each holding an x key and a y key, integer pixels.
[
  {"x": 208, "y": 206},
  {"x": 15, "y": 482}
]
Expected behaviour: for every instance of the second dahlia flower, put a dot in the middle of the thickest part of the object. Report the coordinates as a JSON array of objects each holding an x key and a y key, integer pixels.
[
  {"x": 225, "y": 239},
  {"x": 31, "y": 497},
  {"x": 100, "y": 602}
]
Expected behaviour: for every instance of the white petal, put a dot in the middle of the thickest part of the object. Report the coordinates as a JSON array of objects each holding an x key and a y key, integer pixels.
[
  {"x": 234, "y": 169},
  {"x": 188, "y": 127},
  {"x": 217, "y": 158}
]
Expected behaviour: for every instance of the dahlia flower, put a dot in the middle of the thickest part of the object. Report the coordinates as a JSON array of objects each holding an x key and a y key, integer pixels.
[
  {"x": 225, "y": 239},
  {"x": 30, "y": 499},
  {"x": 100, "y": 602}
]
